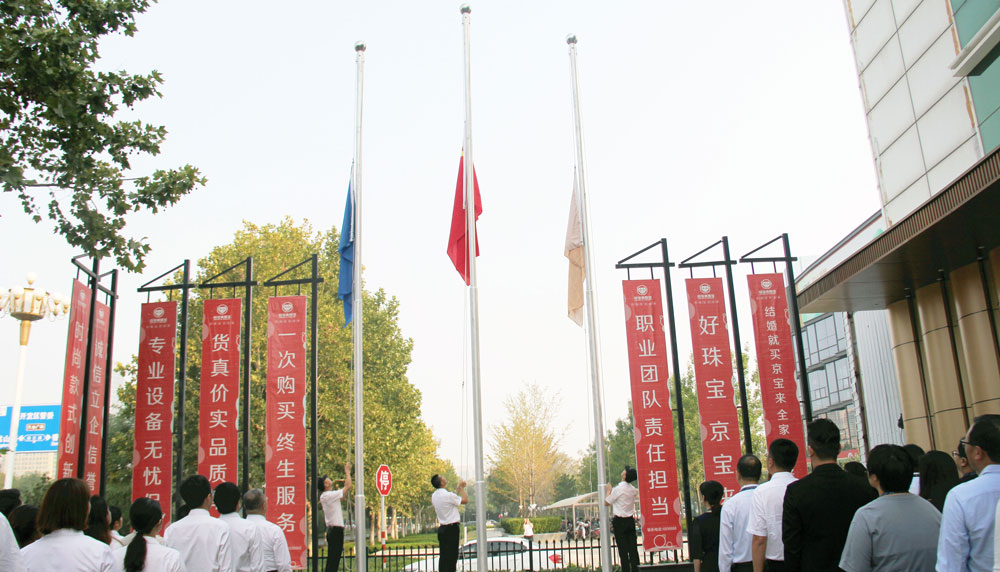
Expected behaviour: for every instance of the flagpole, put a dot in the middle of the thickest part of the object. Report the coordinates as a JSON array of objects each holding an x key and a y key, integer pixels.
[
  {"x": 360, "y": 539},
  {"x": 470, "y": 240},
  {"x": 591, "y": 313}
]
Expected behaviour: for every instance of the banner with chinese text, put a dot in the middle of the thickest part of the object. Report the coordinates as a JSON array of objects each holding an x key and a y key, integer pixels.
[
  {"x": 653, "y": 421},
  {"x": 713, "y": 372},
  {"x": 72, "y": 401},
  {"x": 154, "y": 404},
  {"x": 220, "y": 389},
  {"x": 94, "y": 441},
  {"x": 772, "y": 332},
  {"x": 285, "y": 452}
]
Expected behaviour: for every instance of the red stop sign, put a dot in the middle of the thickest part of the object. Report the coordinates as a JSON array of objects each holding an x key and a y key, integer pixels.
[{"x": 383, "y": 480}]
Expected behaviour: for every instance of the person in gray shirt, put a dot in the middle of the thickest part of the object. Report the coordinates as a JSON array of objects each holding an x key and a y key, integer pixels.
[{"x": 897, "y": 531}]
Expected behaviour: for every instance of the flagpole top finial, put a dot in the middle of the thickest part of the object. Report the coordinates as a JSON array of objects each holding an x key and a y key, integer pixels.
[
  {"x": 571, "y": 39},
  {"x": 359, "y": 46},
  {"x": 465, "y": 9}
]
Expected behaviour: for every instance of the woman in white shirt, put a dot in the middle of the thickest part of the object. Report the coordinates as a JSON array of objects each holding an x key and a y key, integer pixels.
[
  {"x": 144, "y": 553},
  {"x": 62, "y": 517}
]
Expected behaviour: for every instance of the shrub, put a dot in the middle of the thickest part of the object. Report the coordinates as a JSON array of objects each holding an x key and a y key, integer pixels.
[{"x": 542, "y": 524}]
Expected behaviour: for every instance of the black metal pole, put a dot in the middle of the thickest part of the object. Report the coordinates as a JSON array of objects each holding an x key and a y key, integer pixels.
[
  {"x": 797, "y": 331},
  {"x": 95, "y": 282},
  {"x": 182, "y": 378},
  {"x": 740, "y": 376},
  {"x": 247, "y": 332},
  {"x": 314, "y": 418},
  {"x": 108, "y": 364},
  {"x": 678, "y": 389}
]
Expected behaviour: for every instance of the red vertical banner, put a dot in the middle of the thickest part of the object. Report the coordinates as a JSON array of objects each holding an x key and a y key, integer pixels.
[
  {"x": 713, "y": 372},
  {"x": 655, "y": 455},
  {"x": 285, "y": 451},
  {"x": 72, "y": 401},
  {"x": 154, "y": 404},
  {"x": 220, "y": 389},
  {"x": 93, "y": 441},
  {"x": 772, "y": 332}
]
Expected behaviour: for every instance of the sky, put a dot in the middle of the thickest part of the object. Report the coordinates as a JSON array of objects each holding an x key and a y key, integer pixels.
[{"x": 699, "y": 120}]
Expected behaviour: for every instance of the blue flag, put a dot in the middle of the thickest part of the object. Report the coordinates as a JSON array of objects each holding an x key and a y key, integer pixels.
[{"x": 345, "y": 287}]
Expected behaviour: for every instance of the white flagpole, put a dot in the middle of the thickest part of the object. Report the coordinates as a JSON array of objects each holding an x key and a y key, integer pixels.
[
  {"x": 360, "y": 538},
  {"x": 470, "y": 240},
  {"x": 591, "y": 313}
]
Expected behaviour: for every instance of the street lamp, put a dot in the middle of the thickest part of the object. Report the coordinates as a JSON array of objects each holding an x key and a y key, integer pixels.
[{"x": 27, "y": 305}]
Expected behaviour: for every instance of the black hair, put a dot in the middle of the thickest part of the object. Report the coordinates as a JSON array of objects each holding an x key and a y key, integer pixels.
[
  {"x": 915, "y": 452},
  {"x": 253, "y": 500},
  {"x": 938, "y": 474},
  {"x": 227, "y": 497},
  {"x": 631, "y": 475},
  {"x": 9, "y": 500},
  {"x": 321, "y": 483},
  {"x": 961, "y": 451},
  {"x": 985, "y": 434},
  {"x": 98, "y": 525},
  {"x": 748, "y": 467},
  {"x": 824, "y": 438},
  {"x": 145, "y": 514},
  {"x": 22, "y": 522},
  {"x": 64, "y": 505},
  {"x": 857, "y": 469},
  {"x": 436, "y": 481},
  {"x": 713, "y": 492},
  {"x": 893, "y": 467},
  {"x": 116, "y": 514},
  {"x": 193, "y": 490},
  {"x": 784, "y": 453}
]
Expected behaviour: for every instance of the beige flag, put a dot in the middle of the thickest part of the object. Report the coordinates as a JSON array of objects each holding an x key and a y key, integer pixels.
[{"x": 577, "y": 264}]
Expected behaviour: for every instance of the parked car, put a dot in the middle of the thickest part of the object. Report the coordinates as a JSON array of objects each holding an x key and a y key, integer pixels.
[{"x": 503, "y": 553}]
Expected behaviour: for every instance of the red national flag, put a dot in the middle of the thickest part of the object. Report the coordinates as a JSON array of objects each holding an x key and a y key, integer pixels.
[{"x": 458, "y": 248}]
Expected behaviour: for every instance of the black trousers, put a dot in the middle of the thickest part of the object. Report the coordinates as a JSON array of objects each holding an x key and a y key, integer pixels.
[
  {"x": 628, "y": 552},
  {"x": 448, "y": 543},
  {"x": 334, "y": 547},
  {"x": 742, "y": 567},
  {"x": 774, "y": 565}
]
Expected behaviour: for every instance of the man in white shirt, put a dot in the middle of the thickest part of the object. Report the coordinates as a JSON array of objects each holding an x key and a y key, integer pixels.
[
  {"x": 245, "y": 538},
  {"x": 735, "y": 554},
  {"x": 275, "y": 546},
  {"x": 203, "y": 541},
  {"x": 446, "y": 506},
  {"x": 330, "y": 499},
  {"x": 10, "y": 554},
  {"x": 766, "y": 507},
  {"x": 621, "y": 499}
]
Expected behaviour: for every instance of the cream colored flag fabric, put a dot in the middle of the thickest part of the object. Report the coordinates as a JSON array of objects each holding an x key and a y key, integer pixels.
[{"x": 577, "y": 265}]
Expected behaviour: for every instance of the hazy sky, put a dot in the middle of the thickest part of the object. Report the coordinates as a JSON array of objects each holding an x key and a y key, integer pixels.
[{"x": 700, "y": 119}]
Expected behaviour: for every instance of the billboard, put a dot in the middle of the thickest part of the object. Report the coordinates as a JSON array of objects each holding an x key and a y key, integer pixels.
[{"x": 38, "y": 431}]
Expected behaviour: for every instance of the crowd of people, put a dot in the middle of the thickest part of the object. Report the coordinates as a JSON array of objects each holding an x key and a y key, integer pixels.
[
  {"x": 72, "y": 531},
  {"x": 907, "y": 511}
]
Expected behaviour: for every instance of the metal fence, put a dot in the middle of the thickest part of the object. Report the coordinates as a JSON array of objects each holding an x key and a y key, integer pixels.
[{"x": 504, "y": 554}]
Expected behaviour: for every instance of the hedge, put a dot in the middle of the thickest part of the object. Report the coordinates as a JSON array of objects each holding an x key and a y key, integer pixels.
[{"x": 542, "y": 524}]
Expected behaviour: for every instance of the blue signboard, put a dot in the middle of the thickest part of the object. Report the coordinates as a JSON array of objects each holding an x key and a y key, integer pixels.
[{"x": 38, "y": 431}]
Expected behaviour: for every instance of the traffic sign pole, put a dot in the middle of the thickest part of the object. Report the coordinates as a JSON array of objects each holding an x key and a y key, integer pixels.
[{"x": 383, "y": 483}]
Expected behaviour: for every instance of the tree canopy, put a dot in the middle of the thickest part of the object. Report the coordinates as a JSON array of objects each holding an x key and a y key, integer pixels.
[{"x": 62, "y": 152}]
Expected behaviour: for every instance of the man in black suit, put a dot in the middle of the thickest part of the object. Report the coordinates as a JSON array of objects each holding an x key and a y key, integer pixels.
[{"x": 819, "y": 507}]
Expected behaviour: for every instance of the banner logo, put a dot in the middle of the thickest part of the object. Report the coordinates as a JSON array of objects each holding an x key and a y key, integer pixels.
[
  {"x": 642, "y": 290},
  {"x": 287, "y": 307},
  {"x": 222, "y": 309},
  {"x": 766, "y": 284},
  {"x": 705, "y": 288},
  {"x": 158, "y": 313}
]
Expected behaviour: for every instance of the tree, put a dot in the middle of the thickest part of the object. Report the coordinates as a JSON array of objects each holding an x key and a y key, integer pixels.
[
  {"x": 395, "y": 433},
  {"x": 58, "y": 135},
  {"x": 619, "y": 451},
  {"x": 526, "y": 461}
]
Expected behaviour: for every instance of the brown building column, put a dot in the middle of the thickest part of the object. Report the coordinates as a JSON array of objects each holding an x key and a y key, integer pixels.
[
  {"x": 978, "y": 350},
  {"x": 909, "y": 370},
  {"x": 949, "y": 417}
]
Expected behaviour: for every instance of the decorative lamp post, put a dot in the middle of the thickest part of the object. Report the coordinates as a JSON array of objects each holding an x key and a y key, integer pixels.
[{"x": 26, "y": 305}]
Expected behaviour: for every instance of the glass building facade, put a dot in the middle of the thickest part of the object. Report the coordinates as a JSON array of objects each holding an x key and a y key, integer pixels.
[{"x": 830, "y": 378}]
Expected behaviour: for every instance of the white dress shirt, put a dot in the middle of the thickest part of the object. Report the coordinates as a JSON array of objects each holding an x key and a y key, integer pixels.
[
  {"x": 622, "y": 499},
  {"x": 118, "y": 539},
  {"x": 203, "y": 542},
  {"x": 10, "y": 553},
  {"x": 331, "y": 507},
  {"x": 765, "y": 513},
  {"x": 275, "y": 547},
  {"x": 734, "y": 541},
  {"x": 446, "y": 506},
  {"x": 159, "y": 558},
  {"x": 67, "y": 550},
  {"x": 245, "y": 539}
]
